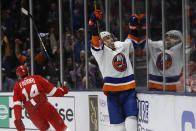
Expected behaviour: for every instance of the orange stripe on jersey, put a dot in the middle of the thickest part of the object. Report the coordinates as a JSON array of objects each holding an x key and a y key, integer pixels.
[
  {"x": 133, "y": 37},
  {"x": 140, "y": 52},
  {"x": 119, "y": 88},
  {"x": 174, "y": 87},
  {"x": 95, "y": 41}
]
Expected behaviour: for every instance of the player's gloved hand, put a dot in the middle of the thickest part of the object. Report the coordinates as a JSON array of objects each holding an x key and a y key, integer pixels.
[
  {"x": 134, "y": 22},
  {"x": 96, "y": 15},
  {"x": 19, "y": 125},
  {"x": 64, "y": 89},
  {"x": 133, "y": 28}
]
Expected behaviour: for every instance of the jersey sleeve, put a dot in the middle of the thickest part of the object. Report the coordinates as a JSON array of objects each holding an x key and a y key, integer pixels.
[
  {"x": 97, "y": 48},
  {"x": 49, "y": 89},
  {"x": 128, "y": 44},
  {"x": 17, "y": 99}
]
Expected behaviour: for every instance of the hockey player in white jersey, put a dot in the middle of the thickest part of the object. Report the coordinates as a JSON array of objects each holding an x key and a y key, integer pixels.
[
  {"x": 119, "y": 83},
  {"x": 173, "y": 56}
]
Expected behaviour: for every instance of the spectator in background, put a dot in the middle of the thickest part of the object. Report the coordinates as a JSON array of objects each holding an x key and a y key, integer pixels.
[
  {"x": 77, "y": 14},
  {"x": 7, "y": 82},
  {"x": 6, "y": 51},
  {"x": 96, "y": 77},
  {"x": 53, "y": 39},
  {"x": 191, "y": 74},
  {"x": 25, "y": 57},
  {"x": 69, "y": 44},
  {"x": 81, "y": 72},
  {"x": 53, "y": 14},
  {"x": 79, "y": 75},
  {"x": 79, "y": 44},
  {"x": 69, "y": 67}
]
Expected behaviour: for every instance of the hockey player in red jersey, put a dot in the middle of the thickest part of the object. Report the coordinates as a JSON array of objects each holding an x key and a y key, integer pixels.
[{"x": 30, "y": 92}]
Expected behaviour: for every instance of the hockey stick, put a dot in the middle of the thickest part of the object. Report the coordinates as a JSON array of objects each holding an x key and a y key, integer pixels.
[
  {"x": 95, "y": 6},
  {"x": 25, "y": 12}
]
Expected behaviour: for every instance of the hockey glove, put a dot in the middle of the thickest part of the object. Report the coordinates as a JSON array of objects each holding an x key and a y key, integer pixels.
[
  {"x": 133, "y": 27},
  {"x": 19, "y": 125},
  {"x": 96, "y": 15},
  {"x": 61, "y": 91},
  {"x": 64, "y": 89}
]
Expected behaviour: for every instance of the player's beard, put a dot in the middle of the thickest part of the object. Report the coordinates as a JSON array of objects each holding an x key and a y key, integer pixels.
[
  {"x": 171, "y": 43},
  {"x": 111, "y": 45}
]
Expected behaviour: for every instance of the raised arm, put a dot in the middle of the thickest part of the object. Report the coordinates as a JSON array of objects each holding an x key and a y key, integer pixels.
[
  {"x": 95, "y": 16},
  {"x": 17, "y": 50}
]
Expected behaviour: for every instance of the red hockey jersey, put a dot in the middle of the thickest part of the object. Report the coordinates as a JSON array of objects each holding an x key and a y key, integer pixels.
[{"x": 31, "y": 92}]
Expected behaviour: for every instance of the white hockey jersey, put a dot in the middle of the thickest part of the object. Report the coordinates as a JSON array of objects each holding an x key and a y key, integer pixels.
[
  {"x": 115, "y": 65},
  {"x": 173, "y": 65}
]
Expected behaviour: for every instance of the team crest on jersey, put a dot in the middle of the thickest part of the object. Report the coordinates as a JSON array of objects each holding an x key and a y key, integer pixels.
[
  {"x": 168, "y": 61},
  {"x": 119, "y": 62}
]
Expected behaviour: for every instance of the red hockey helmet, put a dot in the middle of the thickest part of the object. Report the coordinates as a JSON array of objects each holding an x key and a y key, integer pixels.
[{"x": 22, "y": 70}]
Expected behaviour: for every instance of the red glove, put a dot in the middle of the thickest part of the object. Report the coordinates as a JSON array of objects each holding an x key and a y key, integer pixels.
[
  {"x": 64, "y": 89},
  {"x": 61, "y": 91},
  {"x": 19, "y": 125}
]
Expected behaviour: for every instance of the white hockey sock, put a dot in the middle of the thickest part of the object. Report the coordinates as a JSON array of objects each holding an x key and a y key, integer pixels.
[
  {"x": 118, "y": 127},
  {"x": 131, "y": 123}
]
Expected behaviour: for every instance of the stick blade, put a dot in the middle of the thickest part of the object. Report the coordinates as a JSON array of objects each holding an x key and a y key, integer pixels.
[{"x": 24, "y": 11}]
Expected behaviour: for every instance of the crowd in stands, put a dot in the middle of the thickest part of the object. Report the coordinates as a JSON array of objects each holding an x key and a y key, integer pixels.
[{"x": 16, "y": 39}]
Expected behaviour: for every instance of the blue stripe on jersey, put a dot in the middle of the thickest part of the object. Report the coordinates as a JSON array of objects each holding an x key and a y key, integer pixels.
[
  {"x": 140, "y": 45},
  {"x": 95, "y": 49},
  {"x": 168, "y": 79},
  {"x": 119, "y": 80}
]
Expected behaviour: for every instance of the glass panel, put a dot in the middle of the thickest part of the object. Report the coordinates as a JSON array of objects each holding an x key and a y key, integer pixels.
[
  {"x": 173, "y": 45},
  {"x": 69, "y": 40},
  {"x": 155, "y": 46},
  {"x": 74, "y": 44},
  {"x": 190, "y": 47},
  {"x": 95, "y": 77},
  {"x": 114, "y": 25},
  {"x": 140, "y": 51},
  {"x": 49, "y": 23},
  {"x": 15, "y": 38}
]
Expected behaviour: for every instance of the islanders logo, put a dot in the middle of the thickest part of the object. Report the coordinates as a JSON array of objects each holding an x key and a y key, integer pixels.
[
  {"x": 168, "y": 61},
  {"x": 119, "y": 62}
]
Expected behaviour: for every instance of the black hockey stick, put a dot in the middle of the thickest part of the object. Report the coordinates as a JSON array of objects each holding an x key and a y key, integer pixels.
[{"x": 25, "y": 12}]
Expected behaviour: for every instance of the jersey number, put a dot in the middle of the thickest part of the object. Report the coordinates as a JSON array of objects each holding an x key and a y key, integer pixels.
[{"x": 34, "y": 91}]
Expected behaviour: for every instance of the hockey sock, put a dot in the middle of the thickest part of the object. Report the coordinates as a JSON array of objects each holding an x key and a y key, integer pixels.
[{"x": 131, "y": 123}]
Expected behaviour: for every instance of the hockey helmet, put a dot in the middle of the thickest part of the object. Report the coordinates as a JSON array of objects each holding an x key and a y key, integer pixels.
[
  {"x": 21, "y": 71},
  {"x": 104, "y": 34},
  {"x": 109, "y": 43},
  {"x": 173, "y": 37}
]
